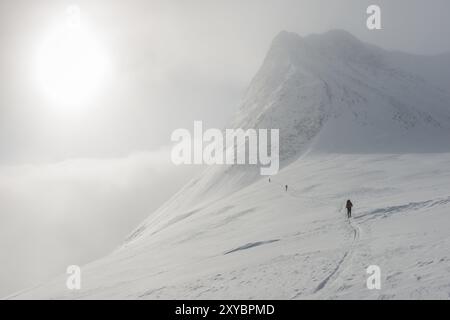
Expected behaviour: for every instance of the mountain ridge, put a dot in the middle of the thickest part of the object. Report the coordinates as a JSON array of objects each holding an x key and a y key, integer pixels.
[{"x": 337, "y": 106}]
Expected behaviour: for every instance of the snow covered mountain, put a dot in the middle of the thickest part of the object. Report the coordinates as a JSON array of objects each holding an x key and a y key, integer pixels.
[
  {"x": 334, "y": 93},
  {"x": 355, "y": 121}
]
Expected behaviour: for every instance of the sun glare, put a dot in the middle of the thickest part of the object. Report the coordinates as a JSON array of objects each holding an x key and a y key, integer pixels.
[{"x": 71, "y": 66}]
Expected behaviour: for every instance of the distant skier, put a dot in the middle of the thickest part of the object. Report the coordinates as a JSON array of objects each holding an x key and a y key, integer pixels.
[
  {"x": 349, "y": 206},
  {"x": 269, "y": 180},
  {"x": 286, "y": 187}
]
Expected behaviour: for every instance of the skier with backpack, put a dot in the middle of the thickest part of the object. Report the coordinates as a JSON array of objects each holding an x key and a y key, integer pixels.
[{"x": 349, "y": 206}]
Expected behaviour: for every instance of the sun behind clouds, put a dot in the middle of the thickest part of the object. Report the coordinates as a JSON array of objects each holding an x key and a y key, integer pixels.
[{"x": 71, "y": 65}]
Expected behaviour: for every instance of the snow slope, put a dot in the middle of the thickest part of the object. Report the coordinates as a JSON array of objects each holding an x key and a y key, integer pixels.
[
  {"x": 263, "y": 242},
  {"x": 334, "y": 93},
  {"x": 354, "y": 123}
]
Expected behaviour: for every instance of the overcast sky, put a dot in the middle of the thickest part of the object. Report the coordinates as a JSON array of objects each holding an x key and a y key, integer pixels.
[
  {"x": 67, "y": 173},
  {"x": 172, "y": 62}
]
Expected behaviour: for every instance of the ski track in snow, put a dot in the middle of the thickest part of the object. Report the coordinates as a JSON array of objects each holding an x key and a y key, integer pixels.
[
  {"x": 409, "y": 207},
  {"x": 341, "y": 264}
]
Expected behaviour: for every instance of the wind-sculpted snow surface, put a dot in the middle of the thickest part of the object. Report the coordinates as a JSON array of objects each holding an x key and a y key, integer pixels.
[
  {"x": 264, "y": 242},
  {"x": 354, "y": 124}
]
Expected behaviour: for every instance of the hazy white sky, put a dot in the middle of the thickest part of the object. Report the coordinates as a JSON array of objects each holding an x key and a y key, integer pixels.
[
  {"x": 173, "y": 62},
  {"x": 66, "y": 173}
]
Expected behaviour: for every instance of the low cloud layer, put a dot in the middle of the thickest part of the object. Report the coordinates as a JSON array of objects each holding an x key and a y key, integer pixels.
[{"x": 75, "y": 211}]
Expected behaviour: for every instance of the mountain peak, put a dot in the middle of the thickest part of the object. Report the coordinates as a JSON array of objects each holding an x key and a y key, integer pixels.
[
  {"x": 334, "y": 43},
  {"x": 286, "y": 36},
  {"x": 340, "y": 43},
  {"x": 333, "y": 92},
  {"x": 337, "y": 35},
  {"x": 286, "y": 40}
]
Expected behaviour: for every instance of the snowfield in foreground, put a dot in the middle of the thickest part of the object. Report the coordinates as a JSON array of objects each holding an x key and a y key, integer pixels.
[{"x": 263, "y": 242}]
